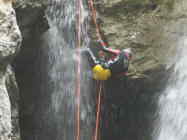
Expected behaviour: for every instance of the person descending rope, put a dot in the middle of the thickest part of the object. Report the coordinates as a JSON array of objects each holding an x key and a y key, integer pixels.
[{"x": 104, "y": 68}]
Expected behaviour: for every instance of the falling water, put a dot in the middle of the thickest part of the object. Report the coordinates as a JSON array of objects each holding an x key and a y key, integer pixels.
[
  {"x": 173, "y": 102},
  {"x": 61, "y": 71}
]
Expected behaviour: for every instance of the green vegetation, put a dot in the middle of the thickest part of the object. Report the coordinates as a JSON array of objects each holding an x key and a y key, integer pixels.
[
  {"x": 138, "y": 2},
  {"x": 166, "y": 3}
]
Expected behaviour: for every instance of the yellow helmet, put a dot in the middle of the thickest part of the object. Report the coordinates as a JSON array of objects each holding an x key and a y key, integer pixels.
[
  {"x": 97, "y": 68},
  {"x": 99, "y": 73},
  {"x": 107, "y": 73}
]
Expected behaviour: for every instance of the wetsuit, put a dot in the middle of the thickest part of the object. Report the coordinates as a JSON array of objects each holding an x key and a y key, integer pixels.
[{"x": 117, "y": 65}]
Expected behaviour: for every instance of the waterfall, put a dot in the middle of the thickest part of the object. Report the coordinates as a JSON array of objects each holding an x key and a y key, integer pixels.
[
  {"x": 59, "y": 48},
  {"x": 173, "y": 102}
]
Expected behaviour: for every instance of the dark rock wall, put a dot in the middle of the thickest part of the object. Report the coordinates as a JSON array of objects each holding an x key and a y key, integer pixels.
[
  {"x": 129, "y": 107},
  {"x": 32, "y": 22}
]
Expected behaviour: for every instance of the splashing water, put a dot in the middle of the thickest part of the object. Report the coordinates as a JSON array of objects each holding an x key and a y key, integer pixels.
[
  {"x": 61, "y": 70},
  {"x": 173, "y": 103}
]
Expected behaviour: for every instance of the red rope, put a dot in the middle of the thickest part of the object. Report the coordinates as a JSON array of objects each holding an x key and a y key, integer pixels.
[
  {"x": 98, "y": 35},
  {"x": 78, "y": 69},
  {"x": 96, "y": 134},
  {"x": 93, "y": 10}
]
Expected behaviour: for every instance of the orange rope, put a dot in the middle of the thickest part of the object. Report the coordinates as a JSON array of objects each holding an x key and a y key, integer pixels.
[
  {"x": 78, "y": 69},
  {"x": 91, "y": 5},
  {"x": 98, "y": 112},
  {"x": 93, "y": 10},
  {"x": 98, "y": 35}
]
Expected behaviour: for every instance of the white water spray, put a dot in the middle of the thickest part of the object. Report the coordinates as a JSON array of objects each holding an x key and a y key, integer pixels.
[
  {"x": 61, "y": 70},
  {"x": 173, "y": 103}
]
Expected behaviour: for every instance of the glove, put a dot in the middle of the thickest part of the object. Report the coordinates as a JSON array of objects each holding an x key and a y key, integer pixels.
[
  {"x": 105, "y": 65},
  {"x": 99, "y": 40},
  {"x": 103, "y": 44}
]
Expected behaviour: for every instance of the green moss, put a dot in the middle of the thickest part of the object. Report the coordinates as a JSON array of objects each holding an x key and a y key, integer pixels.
[
  {"x": 167, "y": 3},
  {"x": 140, "y": 3}
]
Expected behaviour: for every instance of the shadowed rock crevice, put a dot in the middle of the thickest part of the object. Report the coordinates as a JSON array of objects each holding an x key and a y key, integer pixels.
[
  {"x": 129, "y": 107},
  {"x": 32, "y": 22}
]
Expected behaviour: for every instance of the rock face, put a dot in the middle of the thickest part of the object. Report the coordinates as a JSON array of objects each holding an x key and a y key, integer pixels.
[
  {"x": 32, "y": 23},
  {"x": 152, "y": 28},
  {"x": 10, "y": 34},
  {"x": 142, "y": 25},
  {"x": 13, "y": 92},
  {"x": 10, "y": 41}
]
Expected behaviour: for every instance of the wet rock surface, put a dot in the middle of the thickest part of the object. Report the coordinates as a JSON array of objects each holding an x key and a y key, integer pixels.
[
  {"x": 151, "y": 28},
  {"x": 10, "y": 41},
  {"x": 32, "y": 23},
  {"x": 143, "y": 26}
]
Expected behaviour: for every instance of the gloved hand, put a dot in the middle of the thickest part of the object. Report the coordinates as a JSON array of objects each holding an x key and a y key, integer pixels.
[
  {"x": 103, "y": 44},
  {"x": 105, "y": 65},
  {"x": 100, "y": 40}
]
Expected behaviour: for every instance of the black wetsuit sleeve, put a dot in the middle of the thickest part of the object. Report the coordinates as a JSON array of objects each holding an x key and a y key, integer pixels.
[
  {"x": 91, "y": 57},
  {"x": 117, "y": 65},
  {"x": 110, "y": 63}
]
